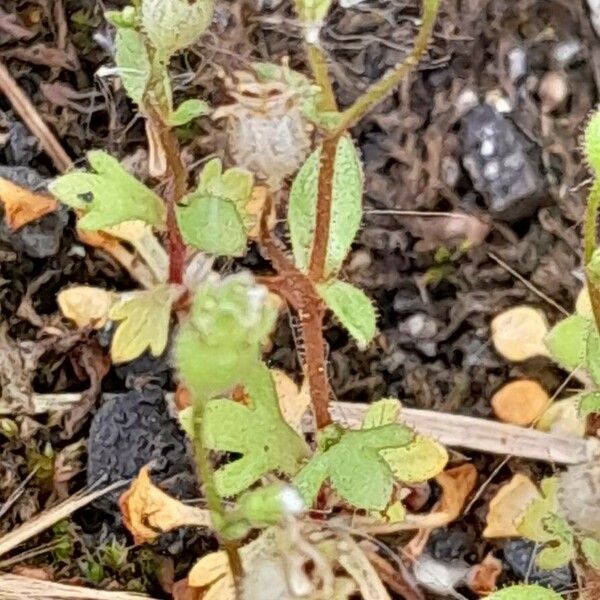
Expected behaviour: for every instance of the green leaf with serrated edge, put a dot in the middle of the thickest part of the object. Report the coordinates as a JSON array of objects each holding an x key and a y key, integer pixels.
[
  {"x": 346, "y": 207},
  {"x": 592, "y": 358},
  {"x": 588, "y": 403},
  {"x": 352, "y": 307},
  {"x": 144, "y": 323},
  {"x": 121, "y": 18},
  {"x": 212, "y": 225},
  {"x": 176, "y": 24},
  {"x": 108, "y": 195},
  {"x": 525, "y": 592},
  {"x": 354, "y": 466},
  {"x": 259, "y": 432},
  {"x": 133, "y": 62},
  {"x": 593, "y": 268},
  {"x": 220, "y": 341},
  {"x": 591, "y": 142},
  {"x": 567, "y": 341},
  {"x": 382, "y": 412},
  {"x": 418, "y": 461},
  {"x": 302, "y": 210},
  {"x": 187, "y": 111},
  {"x": 213, "y": 218},
  {"x": 591, "y": 550},
  {"x": 541, "y": 523}
]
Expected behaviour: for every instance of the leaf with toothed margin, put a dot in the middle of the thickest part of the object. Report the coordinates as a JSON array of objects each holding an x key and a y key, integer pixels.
[
  {"x": 108, "y": 195},
  {"x": 259, "y": 433},
  {"x": 346, "y": 207},
  {"x": 588, "y": 403},
  {"x": 591, "y": 142},
  {"x": 187, "y": 111},
  {"x": 525, "y": 592},
  {"x": 352, "y": 307},
  {"x": 133, "y": 62}
]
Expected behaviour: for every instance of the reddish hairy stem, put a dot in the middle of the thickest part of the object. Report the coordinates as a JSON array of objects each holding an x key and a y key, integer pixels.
[
  {"x": 323, "y": 213},
  {"x": 176, "y": 184}
]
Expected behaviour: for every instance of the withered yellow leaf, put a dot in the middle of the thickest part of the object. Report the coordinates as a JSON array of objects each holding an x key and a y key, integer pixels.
[
  {"x": 562, "y": 417},
  {"x": 293, "y": 401},
  {"x": 583, "y": 304},
  {"x": 508, "y": 505},
  {"x": 520, "y": 402},
  {"x": 145, "y": 318},
  {"x": 518, "y": 333},
  {"x": 85, "y": 305},
  {"x": 21, "y": 206},
  {"x": 148, "y": 511}
]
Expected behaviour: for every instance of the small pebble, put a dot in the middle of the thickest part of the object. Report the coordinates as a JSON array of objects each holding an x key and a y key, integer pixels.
[
  {"x": 498, "y": 100},
  {"x": 553, "y": 91},
  {"x": 517, "y": 63},
  {"x": 566, "y": 52}
]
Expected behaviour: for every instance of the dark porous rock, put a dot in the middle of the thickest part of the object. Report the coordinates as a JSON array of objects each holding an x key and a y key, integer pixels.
[
  {"x": 132, "y": 430},
  {"x": 502, "y": 163},
  {"x": 520, "y": 556},
  {"x": 40, "y": 239}
]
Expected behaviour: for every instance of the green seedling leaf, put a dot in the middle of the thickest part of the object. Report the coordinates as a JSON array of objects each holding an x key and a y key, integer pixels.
[
  {"x": 258, "y": 432},
  {"x": 133, "y": 62},
  {"x": 213, "y": 218},
  {"x": 593, "y": 268},
  {"x": 188, "y": 111},
  {"x": 108, "y": 195},
  {"x": 312, "y": 12},
  {"x": 591, "y": 550},
  {"x": 567, "y": 341},
  {"x": 346, "y": 207},
  {"x": 176, "y": 24},
  {"x": 591, "y": 142},
  {"x": 220, "y": 342},
  {"x": 418, "y": 461},
  {"x": 525, "y": 592},
  {"x": 541, "y": 523},
  {"x": 589, "y": 403},
  {"x": 353, "y": 465},
  {"x": 352, "y": 307},
  {"x": 121, "y": 18},
  {"x": 144, "y": 323}
]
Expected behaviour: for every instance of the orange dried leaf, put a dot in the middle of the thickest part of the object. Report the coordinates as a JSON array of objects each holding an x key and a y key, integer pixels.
[
  {"x": 508, "y": 505},
  {"x": 255, "y": 209},
  {"x": 21, "y": 206},
  {"x": 520, "y": 402},
  {"x": 482, "y": 578},
  {"x": 293, "y": 401},
  {"x": 148, "y": 511}
]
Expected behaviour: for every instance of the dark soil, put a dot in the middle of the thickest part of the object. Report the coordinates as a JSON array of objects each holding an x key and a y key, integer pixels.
[{"x": 436, "y": 297}]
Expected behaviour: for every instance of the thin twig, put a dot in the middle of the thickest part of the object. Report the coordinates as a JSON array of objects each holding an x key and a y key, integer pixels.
[
  {"x": 32, "y": 119},
  {"x": 528, "y": 284}
]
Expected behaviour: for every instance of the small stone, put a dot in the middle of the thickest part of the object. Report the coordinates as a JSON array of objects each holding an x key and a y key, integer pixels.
[
  {"x": 450, "y": 171},
  {"x": 520, "y": 553},
  {"x": 553, "y": 91},
  {"x": 565, "y": 53},
  {"x": 420, "y": 326},
  {"x": 517, "y": 63},
  {"x": 498, "y": 100},
  {"x": 502, "y": 164},
  {"x": 466, "y": 101}
]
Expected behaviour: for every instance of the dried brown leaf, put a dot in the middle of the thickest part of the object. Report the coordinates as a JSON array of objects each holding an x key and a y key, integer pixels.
[
  {"x": 21, "y": 206},
  {"x": 85, "y": 305}
]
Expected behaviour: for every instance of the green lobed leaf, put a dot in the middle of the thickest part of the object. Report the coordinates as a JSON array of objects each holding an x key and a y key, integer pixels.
[
  {"x": 567, "y": 341},
  {"x": 541, "y": 523},
  {"x": 589, "y": 403},
  {"x": 591, "y": 142},
  {"x": 121, "y": 18},
  {"x": 354, "y": 465},
  {"x": 108, "y": 195},
  {"x": 352, "y": 307},
  {"x": 144, "y": 323},
  {"x": 591, "y": 550},
  {"x": 175, "y": 24},
  {"x": 220, "y": 341},
  {"x": 346, "y": 207},
  {"x": 525, "y": 592},
  {"x": 133, "y": 62},
  {"x": 213, "y": 218},
  {"x": 259, "y": 433},
  {"x": 312, "y": 12},
  {"x": 418, "y": 461},
  {"x": 188, "y": 111}
]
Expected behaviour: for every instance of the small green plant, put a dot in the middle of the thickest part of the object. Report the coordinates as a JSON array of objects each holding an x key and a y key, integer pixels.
[{"x": 223, "y": 322}]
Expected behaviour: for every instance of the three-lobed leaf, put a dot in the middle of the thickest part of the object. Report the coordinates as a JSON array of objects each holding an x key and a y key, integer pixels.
[
  {"x": 213, "y": 217},
  {"x": 352, "y": 307},
  {"x": 258, "y": 432},
  {"x": 352, "y": 462},
  {"x": 346, "y": 207},
  {"x": 421, "y": 459},
  {"x": 144, "y": 323},
  {"x": 107, "y": 195}
]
